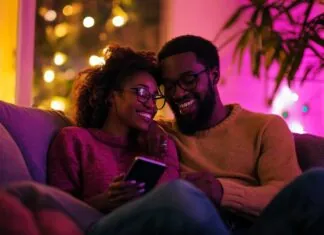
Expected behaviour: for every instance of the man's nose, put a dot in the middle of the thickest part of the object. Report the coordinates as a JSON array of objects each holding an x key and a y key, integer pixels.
[{"x": 179, "y": 92}]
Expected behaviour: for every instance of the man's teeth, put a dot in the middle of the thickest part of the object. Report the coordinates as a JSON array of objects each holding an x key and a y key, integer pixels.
[
  {"x": 184, "y": 105},
  {"x": 146, "y": 115}
]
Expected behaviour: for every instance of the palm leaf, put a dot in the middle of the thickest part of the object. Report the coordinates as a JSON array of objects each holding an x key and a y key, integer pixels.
[
  {"x": 283, "y": 70},
  {"x": 296, "y": 61},
  {"x": 307, "y": 71},
  {"x": 233, "y": 19},
  {"x": 240, "y": 48}
]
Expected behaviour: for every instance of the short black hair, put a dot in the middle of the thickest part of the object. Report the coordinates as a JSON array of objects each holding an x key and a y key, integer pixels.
[{"x": 205, "y": 51}]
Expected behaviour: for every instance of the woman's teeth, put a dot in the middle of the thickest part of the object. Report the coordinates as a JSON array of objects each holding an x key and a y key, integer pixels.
[{"x": 147, "y": 116}]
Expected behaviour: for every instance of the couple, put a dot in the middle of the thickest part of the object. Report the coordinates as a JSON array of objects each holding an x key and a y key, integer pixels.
[{"x": 228, "y": 168}]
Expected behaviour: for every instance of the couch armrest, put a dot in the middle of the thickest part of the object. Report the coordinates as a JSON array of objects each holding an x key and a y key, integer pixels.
[{"x": 37, "y": 196}]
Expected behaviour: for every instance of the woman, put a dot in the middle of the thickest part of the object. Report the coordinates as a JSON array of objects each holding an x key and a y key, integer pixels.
[{"x": 115, "y": 106}]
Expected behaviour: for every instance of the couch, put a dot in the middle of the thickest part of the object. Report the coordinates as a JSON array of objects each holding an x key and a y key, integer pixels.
[{"x": 26, "y": 134}]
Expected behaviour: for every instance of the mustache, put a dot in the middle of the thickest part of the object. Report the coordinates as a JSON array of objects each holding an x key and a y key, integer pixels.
[{"x": 183, "y": 99}]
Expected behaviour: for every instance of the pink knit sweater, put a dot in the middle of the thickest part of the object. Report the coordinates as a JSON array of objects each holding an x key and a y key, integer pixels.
[{"x": 83, "y": 162}]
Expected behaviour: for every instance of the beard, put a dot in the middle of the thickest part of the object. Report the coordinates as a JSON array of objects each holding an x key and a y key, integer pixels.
[{"x": 190, "y": 124}]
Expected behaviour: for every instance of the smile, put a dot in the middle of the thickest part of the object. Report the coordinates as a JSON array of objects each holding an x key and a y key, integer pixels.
[{"x": 146, "y": 116}]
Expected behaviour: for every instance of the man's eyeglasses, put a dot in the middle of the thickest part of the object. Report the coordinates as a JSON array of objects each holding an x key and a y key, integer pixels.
[
  {"x": 187, "y": 82},
  {"x": 143, "y": 96}
]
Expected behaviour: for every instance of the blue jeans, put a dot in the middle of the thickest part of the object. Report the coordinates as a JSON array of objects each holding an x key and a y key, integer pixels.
[
  {"x": 297, "y": 209},
  {"x": 173, "y": 208},
  {"x": 180, "y": 208}
]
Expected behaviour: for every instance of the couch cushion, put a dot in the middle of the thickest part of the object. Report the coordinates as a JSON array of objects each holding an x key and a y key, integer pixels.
[
  {"x": 12, "y": 163},
  {"x": 37, "y": 196},
  {"x": 32, "y": 129},
  {"x": 310, "y": 151}
]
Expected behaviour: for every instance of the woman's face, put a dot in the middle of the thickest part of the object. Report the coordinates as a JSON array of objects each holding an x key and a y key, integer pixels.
[{"x": 135, "y": 105}]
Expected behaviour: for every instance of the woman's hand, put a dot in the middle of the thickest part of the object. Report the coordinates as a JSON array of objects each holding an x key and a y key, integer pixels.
[{"x": 119, "y": 192}]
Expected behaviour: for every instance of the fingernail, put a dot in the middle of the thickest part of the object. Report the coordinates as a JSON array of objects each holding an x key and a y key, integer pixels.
[
  {"x": 142, "y": 184},
  {"x": 141, "y": 190},
  {"x": 133, "y": 181}
]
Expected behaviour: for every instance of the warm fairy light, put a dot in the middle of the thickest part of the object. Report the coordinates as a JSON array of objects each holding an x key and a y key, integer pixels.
[
  {"x": 61, "y": 30},
  {"x": 59, "y": 58},
  {"x": 88, "y": 22},
  {"x": 96, "y": 60},
  {"x": 57, "y": 104},
  {"x": 118, "y": 21},
  {"x": 49, "y": 76},
  {"x": 68, "y": 10},
  {"x": 50, "y": 15}
]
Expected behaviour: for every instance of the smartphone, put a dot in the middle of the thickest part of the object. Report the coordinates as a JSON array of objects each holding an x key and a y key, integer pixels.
[{"x": 145, "y": 170}]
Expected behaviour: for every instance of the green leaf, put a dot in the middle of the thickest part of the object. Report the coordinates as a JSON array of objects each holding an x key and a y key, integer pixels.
[
  {"x": 305, "y": 76},
  {"x": 255, "y": 16},
  {"x": 269, "y": 57},
  {"x": 283, "y": 70},
  {"x": 240, "y": 48},
  {"x": 317, "y": 39},
  {"x": 266, "y": 18},
  {"x": 255, "y": 55},
  {"x": 297, "y": 59},
  {"x": 232, "y": 20}
]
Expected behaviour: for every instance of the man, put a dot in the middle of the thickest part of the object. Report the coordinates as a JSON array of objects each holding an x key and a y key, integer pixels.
[{"x": 240, "y": 159}]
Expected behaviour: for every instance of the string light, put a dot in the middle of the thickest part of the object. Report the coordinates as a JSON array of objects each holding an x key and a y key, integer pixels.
[
  {"x": 96, "y": 60},
  {"x": 118, "y": 21},
  {"x": 88, "y": 22},
  {"x": 59, "y": 58},
  {"x": 49, "y": 76},
  {"x": 58, "y": 104},
  {"x": 68, "y": 10},
  {"x": 61, "y": 30},
  {"x": 50, "y": 15}
]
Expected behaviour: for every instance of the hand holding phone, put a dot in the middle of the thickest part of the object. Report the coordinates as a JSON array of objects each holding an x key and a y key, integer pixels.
[
  {"x": 145, "y": 170},
  {"x": 119, "y": 191}
]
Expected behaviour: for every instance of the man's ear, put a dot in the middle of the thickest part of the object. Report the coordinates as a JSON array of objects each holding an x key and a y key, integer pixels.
[{"x": 215, "y": 75}]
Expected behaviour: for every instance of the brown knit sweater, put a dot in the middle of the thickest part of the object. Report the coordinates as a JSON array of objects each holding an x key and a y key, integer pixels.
[{"x": 251, "y": 154}]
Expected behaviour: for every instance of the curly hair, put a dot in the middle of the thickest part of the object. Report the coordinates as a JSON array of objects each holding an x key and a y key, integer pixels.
[
  {"x": 205, "y": 51},
  {"x": 94, "y": 85}
]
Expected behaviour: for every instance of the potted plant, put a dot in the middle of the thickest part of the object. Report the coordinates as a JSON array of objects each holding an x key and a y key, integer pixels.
[{"x": 268, "y": 44}]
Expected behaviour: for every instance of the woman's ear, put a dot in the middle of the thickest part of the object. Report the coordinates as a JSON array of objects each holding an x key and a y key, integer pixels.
[{"x": 109, "y": 99}]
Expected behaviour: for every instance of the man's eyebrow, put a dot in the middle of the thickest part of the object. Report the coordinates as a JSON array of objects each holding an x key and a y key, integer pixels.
[{"x": 181, "y": 74}]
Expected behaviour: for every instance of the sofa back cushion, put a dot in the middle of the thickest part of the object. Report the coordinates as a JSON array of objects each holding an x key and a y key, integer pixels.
[
  {"x": 12, "y": 164},
  {"x": 32, "y": 129},
  {"x": 310, "y": 151}
]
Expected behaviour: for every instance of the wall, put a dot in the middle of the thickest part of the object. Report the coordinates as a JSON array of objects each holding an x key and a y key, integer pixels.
[
  {"x": 8, "y": 29},
  {"x": 205, "y": 18}
]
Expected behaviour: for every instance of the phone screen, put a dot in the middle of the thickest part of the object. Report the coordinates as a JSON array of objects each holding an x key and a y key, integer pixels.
[{"x": 145, "y": 170}]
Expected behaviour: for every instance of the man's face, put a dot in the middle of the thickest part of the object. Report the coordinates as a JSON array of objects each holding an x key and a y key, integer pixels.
[{"x": 189, "y": 91}]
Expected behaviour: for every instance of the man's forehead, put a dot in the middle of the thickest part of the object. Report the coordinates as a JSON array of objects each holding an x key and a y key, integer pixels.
[{"x": 175, "y": 65}]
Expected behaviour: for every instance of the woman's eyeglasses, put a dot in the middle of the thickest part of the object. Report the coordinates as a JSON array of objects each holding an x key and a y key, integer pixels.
[{"x": 143, "y": 96}]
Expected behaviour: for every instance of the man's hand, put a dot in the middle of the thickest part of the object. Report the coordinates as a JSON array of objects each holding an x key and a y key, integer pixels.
[
  {"x": 207, "y": 183},
  {"x": 155, "y": 141}
]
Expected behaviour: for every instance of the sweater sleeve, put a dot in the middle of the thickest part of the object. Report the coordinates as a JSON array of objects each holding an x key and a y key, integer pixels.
[
  {"x": 276, "y": 167},
  {"x": 63, "y": 163}
]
